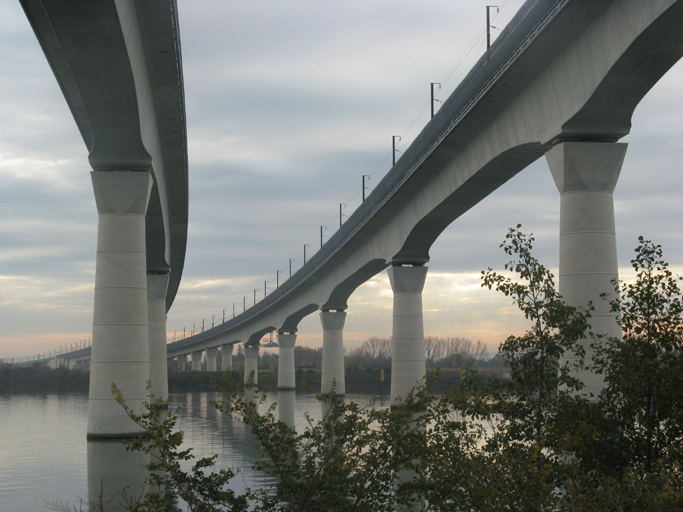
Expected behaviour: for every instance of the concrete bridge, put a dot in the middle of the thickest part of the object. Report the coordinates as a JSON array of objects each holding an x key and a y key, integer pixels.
[{"x": 561, "y": 81}]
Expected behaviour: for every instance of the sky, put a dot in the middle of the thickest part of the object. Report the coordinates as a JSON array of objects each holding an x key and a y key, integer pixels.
[{"x": 288, "y": 105}]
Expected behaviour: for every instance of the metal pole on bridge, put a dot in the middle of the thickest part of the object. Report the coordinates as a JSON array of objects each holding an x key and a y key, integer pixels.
[
  {"x": 393, "y": 148},
  {"x": 488, "y": 24},
  {"x": 432, "y": 84}
]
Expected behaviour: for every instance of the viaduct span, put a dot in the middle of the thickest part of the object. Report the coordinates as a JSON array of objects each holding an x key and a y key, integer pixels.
[{"x": 562, "y": 80}]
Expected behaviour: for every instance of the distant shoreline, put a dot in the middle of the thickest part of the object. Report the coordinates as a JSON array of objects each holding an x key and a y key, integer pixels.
[{"x": 361, "y": 381}]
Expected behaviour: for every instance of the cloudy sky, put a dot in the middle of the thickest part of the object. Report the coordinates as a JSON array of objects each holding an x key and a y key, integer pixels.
[{"x": 288, "y": 105}]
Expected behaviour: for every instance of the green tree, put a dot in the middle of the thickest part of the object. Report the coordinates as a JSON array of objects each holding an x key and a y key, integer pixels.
[
  {"x": 627, "y": 444},
  {"x": 644, "y": 371},
  {"x": 528, "y": 401}
]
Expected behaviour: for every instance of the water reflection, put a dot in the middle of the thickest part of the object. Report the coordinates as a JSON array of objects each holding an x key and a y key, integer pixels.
[{"x": 114, "y": 474}]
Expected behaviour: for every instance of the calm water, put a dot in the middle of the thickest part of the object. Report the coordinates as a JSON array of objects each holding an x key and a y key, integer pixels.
[{"x": 44, "y": 455}]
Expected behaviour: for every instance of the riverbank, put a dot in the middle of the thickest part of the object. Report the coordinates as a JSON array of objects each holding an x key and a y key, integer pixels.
[
  {"x": 41, "y": 378},
  {"x": 364, "y": 380}
]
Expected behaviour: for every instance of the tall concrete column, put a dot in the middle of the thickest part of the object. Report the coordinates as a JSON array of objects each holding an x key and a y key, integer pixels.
[
  {"x": 226, "y": 353},
  {"x": 333, "y": 352},
  {"x": 586, "y": 174},
  {"x": 120, "y": 339},
  {"x": 197, "y": 360},
  {"x": 251, "y": 364},
  {"x": 286, "y": 377},
  {"x": 211, "y": 359},
  {"x": 157, "y": 284},
  {"x": 407, "y": 344}
]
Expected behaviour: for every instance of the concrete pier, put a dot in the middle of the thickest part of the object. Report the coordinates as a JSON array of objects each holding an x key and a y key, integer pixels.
[
  {"x": 286, "y": 378},
  {"x": 197, "y": 360},
  {"x": 157, "y": 284},
  {"x": 251, "y": 364},
  {"x": 226, "y": 354},
  {"x": 286, "y": 402},
  {"x": 211, "y": 359},
  {"x": 407, "y": 345},
  {"x": 120, "y": 339},
  {"x": 586, "y": 174},
  {"x": 333, "y": 352}
]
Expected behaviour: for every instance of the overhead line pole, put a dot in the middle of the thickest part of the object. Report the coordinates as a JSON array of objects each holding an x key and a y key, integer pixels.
[
  {"x": 432, "y": 84},
  {"x": 393, "y": 148},
  {"x": 488, "y": 24}
]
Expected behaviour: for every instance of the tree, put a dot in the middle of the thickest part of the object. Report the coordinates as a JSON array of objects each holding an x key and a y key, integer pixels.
[
  {"x": 307, "y": 357},
  {"x": 435, "y": 349},
  {"x": 373, "y": 352},
  {"x": 643, "y": 372},
  {"x": 528, "y": 400},
  {"x": 629, "y": 456}
]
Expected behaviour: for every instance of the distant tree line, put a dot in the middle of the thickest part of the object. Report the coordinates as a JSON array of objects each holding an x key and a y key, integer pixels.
[
  {"x": 454, "y": 352},
  {"x": 375, "y": 353},
  {"x": 41, "y": 377},
  {"x": 439, "y": 352}
]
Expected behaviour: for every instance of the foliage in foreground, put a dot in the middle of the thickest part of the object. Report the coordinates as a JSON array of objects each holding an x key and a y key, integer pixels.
[
  {"x": 350, "y": 460},
  {"x": 533, "y": 443}
]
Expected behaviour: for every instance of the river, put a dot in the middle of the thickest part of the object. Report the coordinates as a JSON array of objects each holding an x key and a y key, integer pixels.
[{"x": 44, "y": 455}]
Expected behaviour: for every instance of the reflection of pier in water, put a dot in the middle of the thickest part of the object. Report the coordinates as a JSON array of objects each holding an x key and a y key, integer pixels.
[{"x": 114, "y": 473}]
